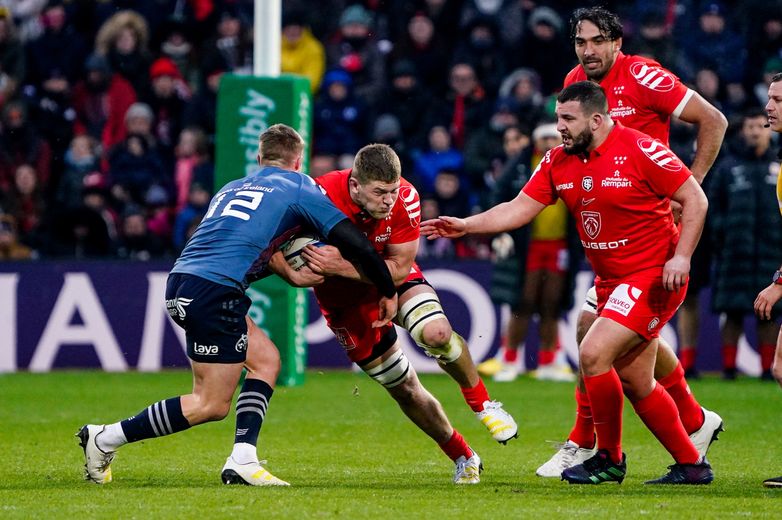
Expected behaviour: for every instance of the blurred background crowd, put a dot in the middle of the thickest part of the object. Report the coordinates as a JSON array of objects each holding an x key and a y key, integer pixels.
[{"x": 107, "y": 108}]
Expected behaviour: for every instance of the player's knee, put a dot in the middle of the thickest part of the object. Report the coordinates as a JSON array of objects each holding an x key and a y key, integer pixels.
[
  {"x": 436, "y": 333},
  {"x": 448, "y": 351},
  {"x": 590, "y": 359},
  {"x": 215, "y": 410}
]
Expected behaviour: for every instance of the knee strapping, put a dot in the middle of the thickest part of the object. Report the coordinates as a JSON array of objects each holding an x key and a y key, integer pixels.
[
  {"x": 590, "y": 303},
  {"x": 420, "y": 310},
  {"x": 391, "y": 372}
]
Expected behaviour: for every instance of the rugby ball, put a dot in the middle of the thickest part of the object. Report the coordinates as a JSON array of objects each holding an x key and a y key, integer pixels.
[{"x": 292, "y": 249}]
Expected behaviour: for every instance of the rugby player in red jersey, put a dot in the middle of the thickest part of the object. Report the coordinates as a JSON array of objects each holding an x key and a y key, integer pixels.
[
  {"x": 386, "y": 207},
  {"x": 644, "y": 96},
  {"x": 618, "y": 184}
]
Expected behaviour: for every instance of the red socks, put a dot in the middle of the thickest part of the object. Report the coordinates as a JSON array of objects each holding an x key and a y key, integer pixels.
[
  {"x": 583, "y": 432},
  {"x": 606, "y": 397},
  {"x": 690, "y": 411},
  {"x": 729, "y": 356},
  {"x": 767, "y": 356},
  {"x": 659, "y": 414},
  {"x": 510, "y": 355},
  {"x": 476, "y": 396},
  {"x": 456, "y": 447},
  {"x": 546, "y": 357},
  {"x": 687, "y": 356}
]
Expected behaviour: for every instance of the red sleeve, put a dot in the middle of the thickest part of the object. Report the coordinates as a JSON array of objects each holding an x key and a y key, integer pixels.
[
  {"x": 407, "y": 216},
  {"x": 540, "y": 186},
  {"x": 662, "y": 169},
  {"x": 660, "y": 88}
]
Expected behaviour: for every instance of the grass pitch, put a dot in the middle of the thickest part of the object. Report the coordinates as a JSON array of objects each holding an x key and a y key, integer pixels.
[{"x": 349, "y": 453}]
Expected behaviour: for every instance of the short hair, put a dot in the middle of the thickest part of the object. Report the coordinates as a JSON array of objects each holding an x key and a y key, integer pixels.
[
  {"x": 280, "y": 143},
  {"x": 606, "y": 22},
  {"x": 376, "y": 162},
  {"x": 776, "y": 77},
  {"x": 590, "y": 95}
]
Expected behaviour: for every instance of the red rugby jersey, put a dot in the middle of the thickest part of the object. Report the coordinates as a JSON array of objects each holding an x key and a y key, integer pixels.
[
  {"x": 641, "y": 94},
  {"x": 620, "y": 198},
  {"x": 400, "y": 227}
]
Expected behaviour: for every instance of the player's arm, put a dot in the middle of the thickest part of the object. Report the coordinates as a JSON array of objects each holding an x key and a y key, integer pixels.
[
  {"x": 304, "y": 277},
  {"x": 328, "y": 261},
  {"x": 503, "y": 217},
  {"x": 711, "y": 125},
  {"x": 694, "y": 207}
]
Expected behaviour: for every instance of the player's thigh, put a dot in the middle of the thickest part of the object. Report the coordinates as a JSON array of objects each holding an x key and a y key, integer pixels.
[
  {"x": 606, "y": 341},
  {"x": 214, "y": 383}
]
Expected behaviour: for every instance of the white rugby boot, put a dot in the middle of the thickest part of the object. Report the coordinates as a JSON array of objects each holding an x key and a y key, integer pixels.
[
  {"x": 97, "y": 463},
  {"x": 468, "y": 471},
  {"x": 499, "y": 422},
  {"x": 250, "y": 474},
  {"x": 712, "y": 426},
  {"x": 568, "y": 455}
]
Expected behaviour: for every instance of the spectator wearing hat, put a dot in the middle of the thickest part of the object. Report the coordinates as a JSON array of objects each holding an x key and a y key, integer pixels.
[
  {"x": 124, "y": 40},
  {"x": 764, "y": 44},
  {"x": 58, "y": 54},
  {"x": 653, "y": 40},
  {"x": 340, "y": 120},
  {"x": 421, "y": 46},
  {"x": 302, "y": 53},
  {"x": 12, "y": 57},
  {"x": 176, "y": 44},
  {"x": 523, "y": 85},
  {"x": 483, "y": 48},
  {"x": 484, "y": 149},
  {"x": 356, "y": 52},
  {"x": 167, "y": 99},
  {"x": 134, "y": 164},
  {"x": 408, "y": 101},
  {"x": 101, "y": 100},
  {"x": 197, "y": 203},
  {"x": 545, "y": 49},
  {"x": 714, "y": 45}
]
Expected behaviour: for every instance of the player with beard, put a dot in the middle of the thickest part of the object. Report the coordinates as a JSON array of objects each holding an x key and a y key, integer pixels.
[
  {"x": 618, "y": 184},
  {"x": 641, "y": 95}
]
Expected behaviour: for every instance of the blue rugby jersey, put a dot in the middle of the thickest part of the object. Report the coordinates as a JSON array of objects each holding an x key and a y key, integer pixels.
[{"x": 248, "y": 219}]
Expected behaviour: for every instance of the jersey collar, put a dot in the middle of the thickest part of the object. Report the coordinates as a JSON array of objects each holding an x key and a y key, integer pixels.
[{"x": 610, "y": 138}]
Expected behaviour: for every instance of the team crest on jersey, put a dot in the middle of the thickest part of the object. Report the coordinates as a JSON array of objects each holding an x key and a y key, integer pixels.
[
  {"x": 659, "y": 154},
  {"x": 652, "y": 77},
  {"x": 592, "y": 222},
  {"x": 587, "y": 183},
  {"x": 411, "y": 203}
]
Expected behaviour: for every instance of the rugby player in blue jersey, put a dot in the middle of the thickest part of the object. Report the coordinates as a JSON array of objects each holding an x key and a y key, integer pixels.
[{"x": 246, "y": 222}]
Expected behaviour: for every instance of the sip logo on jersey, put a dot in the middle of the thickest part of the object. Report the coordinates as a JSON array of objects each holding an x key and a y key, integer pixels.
[
  {"x": 623, "y": 299},
  {"x": 655, "y": 78},
  {"x": 659, "y": 154},
  {"x": 412, "y": 204}
]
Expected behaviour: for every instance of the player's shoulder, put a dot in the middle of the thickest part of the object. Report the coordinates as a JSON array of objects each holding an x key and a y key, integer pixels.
[
  {"x": 410, "y": 202},
  {"x": 648, "y": 73},
  {"x": 333, "y": 178},
  {"x": 576, "y": 74},
  {"x": 647, "y": 148}
]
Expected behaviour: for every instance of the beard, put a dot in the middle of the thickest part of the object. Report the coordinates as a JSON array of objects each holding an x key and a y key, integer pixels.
[{"x": 580, "y": 143}]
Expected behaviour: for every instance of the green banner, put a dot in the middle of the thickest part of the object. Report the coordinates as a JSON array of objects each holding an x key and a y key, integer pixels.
[{"x": 246, "y": 106}]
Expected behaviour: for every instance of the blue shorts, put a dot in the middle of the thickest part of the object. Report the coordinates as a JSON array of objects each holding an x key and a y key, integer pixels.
[{"x": 213, "y": 316}]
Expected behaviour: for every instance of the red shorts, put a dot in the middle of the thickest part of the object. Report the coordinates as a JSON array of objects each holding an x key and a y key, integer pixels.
[
  {"x": 547, "y": 255},
  {"x": 352, "y": 325},
  {"x": 639, "y": 302}
]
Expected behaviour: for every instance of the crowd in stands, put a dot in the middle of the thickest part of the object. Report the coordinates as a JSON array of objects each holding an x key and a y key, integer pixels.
[{"x": 108, "y": 108}]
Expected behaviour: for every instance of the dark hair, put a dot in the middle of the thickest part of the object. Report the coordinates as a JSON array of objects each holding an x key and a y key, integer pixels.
[
  {"x": 752, "y": 113},
  {"x": 590, "y": 95},
  {"x": 776, "y": 77},
  {"x": 606, "y": 22},
  {"x": 376, "y": 162},
  {"x": 280, "y": 143}
]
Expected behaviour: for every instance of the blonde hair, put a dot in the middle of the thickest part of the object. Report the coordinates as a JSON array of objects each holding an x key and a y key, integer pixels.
[
  {"x": 111, "y": 28},
  {"x": 376, "y": 162},
  {"x": 280, "y": 144}
]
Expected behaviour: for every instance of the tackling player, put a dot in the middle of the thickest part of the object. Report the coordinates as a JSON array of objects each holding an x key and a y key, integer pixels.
[
  {"x": 618, "y": 184},
  {"x": 387, "y": 209},
  {"x": 641, "y": 95},
  {"x": 205, "y": 294}
]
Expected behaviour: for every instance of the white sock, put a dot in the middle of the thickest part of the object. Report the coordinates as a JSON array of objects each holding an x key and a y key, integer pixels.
[
  {"x": 111, "y": 438},
  {"x": 244, "y": 453}
]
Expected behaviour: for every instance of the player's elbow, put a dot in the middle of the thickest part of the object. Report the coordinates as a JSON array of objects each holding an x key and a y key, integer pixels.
[{"x": 717, "y": 121}]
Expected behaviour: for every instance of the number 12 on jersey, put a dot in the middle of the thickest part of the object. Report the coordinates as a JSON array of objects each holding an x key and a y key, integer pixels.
[{"x": 239, "y": 206}]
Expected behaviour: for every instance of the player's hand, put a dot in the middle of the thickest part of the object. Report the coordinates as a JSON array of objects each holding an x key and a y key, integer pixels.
[
  {"x": 676, "y": 209},
  {"x": 325, "y": 260},
  {"x": 675, "y": 272},
  {"x": 388, "y": 307},
  {"x": 306, "y": 277},
  {"x": 444, "y": 227},
  {"x": 766, "y": 300}
]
